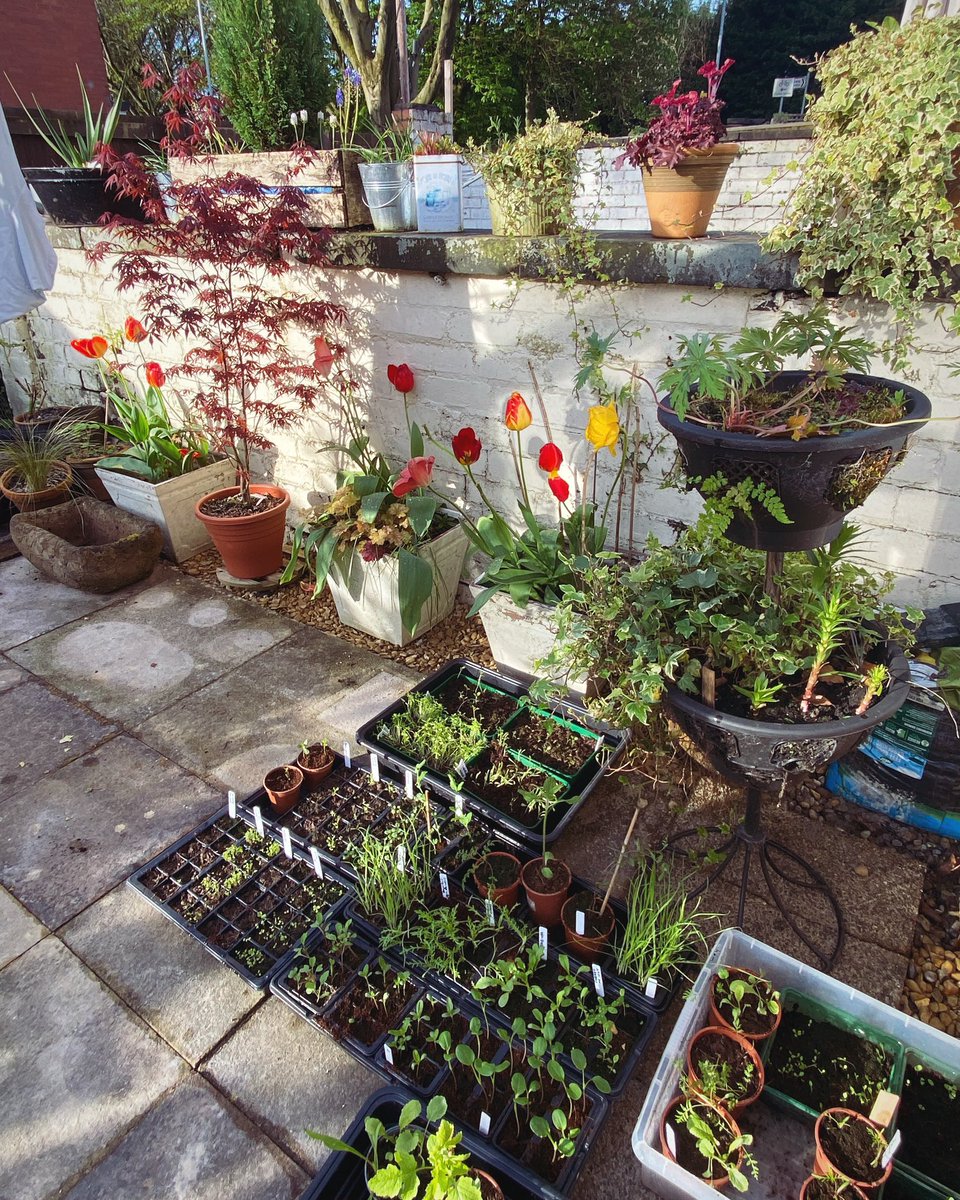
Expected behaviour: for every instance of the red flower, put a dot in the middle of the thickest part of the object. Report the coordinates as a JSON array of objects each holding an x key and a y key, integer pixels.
[
  {"x": 550, "y": 459},
  {"x": 155, "y": 375},
  {"x": 95, "y": 347},
  {"x": 560, "y": 488},
  {"x": 401, "y": 377},
  {"x": 133, "y": 331},
  {"x": 466, "y": 446},
  {"x": 416, "y": 474},
  {"x": 518, "y": 414},
  {"x": 323, "y": 356}
]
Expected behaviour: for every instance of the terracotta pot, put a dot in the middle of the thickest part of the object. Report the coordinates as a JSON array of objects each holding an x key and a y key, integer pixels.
[
  {"x": 851, "y": 1191},
  {"x": 495, "y": 1191},
  {"x": 822, "y": 1165},
  {"x": 507, "y": 895},
  {"x": 718, "y": 1019},
  {"x": 681, "y": 199},
  {"x": 313, "y": 775},
  {"x": 252, "y": 546},
  {"x": 665, "y": 1149},
  {"x": 282, "y": 799},
  {"x": 759, "y": 1074},
  {"x": 547, "y": 906},
  {"x": 45, "y": 498},
  {"x": 586, "y": 946}
]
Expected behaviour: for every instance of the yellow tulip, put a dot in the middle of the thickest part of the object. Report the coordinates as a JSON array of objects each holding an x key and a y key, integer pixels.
[{"x": 603, "y": 427}]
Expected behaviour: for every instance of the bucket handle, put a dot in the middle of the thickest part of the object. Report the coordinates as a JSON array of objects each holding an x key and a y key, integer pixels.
[{"x": 393, "y": 199}]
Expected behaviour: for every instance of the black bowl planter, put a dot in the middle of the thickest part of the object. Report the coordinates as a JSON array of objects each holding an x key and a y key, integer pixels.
[
  {"x": 763, "y": 752},
  {"x": 79, "y": 196},
  {"x": 819, "y": 479}
]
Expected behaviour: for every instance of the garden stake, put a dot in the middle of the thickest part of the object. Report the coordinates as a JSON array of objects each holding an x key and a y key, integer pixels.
[{"x": 619, "y": 862}]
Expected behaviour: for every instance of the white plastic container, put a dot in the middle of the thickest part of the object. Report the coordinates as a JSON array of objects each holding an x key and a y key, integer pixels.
[
  {"x": 439, "y": 206},
  {"x": 518, "y": 636}
]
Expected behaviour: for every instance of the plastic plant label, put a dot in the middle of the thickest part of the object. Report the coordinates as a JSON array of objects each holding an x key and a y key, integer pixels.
[
  {"x": 671, "y": 1135},
  {"x": 892, "y": 1148},
  {"x": 401, "y": 858},
  {"x": 388, "y": 1053},
  {"x": 580, "y": 924},
  {"x": 484, "y": 1126},
  {"x": 458, "y": 805},
  {"x": 444, "y": 885},
  {"x": 232, "y": 803},
  {"x": 408, "y": 784},
  {"x": 258, "y": 819},
  {"x": 543, "y": 939},
  {"x": 491, "y": 915},
  {"x": 287, "y": 843},
  {"x": 599, "y": 744},
  {"x": 347, "y": 760},
  {"x": 461, "y": 769},
  {"x": 650, "y": 991},
  {"x": 884, "y": 1109},
  {"x": 375, "y": 768},
  {"x": 598, "y": 980},
  {"x": 315, "y": 859}
]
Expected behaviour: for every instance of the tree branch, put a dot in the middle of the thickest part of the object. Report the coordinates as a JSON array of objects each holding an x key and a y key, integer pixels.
[{"x": 446, "y": 34}]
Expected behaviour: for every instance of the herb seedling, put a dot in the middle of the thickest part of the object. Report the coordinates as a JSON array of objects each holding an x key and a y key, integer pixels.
[{"x": 719, "y": 1149}]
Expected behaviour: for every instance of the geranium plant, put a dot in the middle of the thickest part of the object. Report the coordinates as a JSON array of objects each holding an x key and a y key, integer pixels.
[{"x": 688, "y": 121}]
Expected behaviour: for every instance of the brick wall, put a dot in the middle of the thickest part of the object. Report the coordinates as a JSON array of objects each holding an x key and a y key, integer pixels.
[{"x": 43, "y": 43}]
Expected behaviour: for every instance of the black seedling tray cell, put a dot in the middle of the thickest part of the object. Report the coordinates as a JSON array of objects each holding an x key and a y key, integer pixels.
[
  {"x": 586, "y": 779},
  {"x": 312, "y": 946},
  {"x": 342, "y": 1175},
  {"x": 392, "y": 1071}
]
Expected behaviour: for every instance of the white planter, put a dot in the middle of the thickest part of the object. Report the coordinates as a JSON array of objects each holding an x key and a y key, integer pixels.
[
  {"x": 518, "y": 636},
  {"x": 170, "y": 504},
  {"x": 437, "y": 178},
  {"x": 367, "y": 594}
]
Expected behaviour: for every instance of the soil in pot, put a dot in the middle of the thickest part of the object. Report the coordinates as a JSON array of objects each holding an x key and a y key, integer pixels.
[
  {"x": 820, "y": 1187},
  {"x": 754, "y": 1024},
  {"x": 316, "y": 984},
  {"x": 316, "y": 764},
  {"x": 688, "y": 1155},
  {"x": 466, "y": 1100},
  {"x": 607, "y": 1050},
  {"x": 930, "y": 1123},
  {"x": 597, "y": 929},
  {"x": 546, "y": 886},
  {"x": 839, "y": 700},
  {"x": 463, "y": 696},
  {"x": 551, "y": 743},
  {"x": 371, "y": 1006},
  {"x": 497, "y": 875},
  {"x": 283, "y": 786},
  {"x": 489, "y": 1188},
  {"x": 736, "y": 1069},
  {"x": 852, "y": 1147},
  {"x": 235, "y": 506}
]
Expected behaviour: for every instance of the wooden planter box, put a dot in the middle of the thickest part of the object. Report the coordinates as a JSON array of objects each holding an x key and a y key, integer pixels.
[{"x": 331, "y": 182}]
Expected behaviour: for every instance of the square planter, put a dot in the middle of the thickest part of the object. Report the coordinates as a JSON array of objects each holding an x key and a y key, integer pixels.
[
  {"x": 367, "y": 595},
  {"x": 518, "y": 636},
  {"x": 439, "y": 205},
  {"x": 170, "y": 504}
]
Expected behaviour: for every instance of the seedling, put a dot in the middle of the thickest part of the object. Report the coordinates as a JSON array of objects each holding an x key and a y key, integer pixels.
[
  {"x": 735, "y": 990},
  {"x": 663, "y": 926},
  {"x": 720, "y": 1152},
  {"x": 557, "y": 1131},
  {"x": 542, "y": 801}
]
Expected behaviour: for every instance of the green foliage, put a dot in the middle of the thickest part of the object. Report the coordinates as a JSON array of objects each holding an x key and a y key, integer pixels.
[
  {"x": 716, "y": 1143},
  {"x": 77, "y": 150},
  {"x": 162, "y": 32},
  {"x": 270, "y": 58},
  {"x": 871, "y": 210},
  {"x": 155, "y": 448},
  {"x": 664, "y": 928},
  {"x": 36, "y": 455}
]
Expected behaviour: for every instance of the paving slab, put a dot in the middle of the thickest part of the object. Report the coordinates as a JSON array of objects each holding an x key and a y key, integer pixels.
[
  {"x": 31, "y": 604},
  {"x": 18, "y": 929},
  {"x": 347, "y": 714},
  {"x": 146, "y": 652},
  {"x": 68, "y": 837},
  {"x": 254, "y": 718},
  {"x": 166, "y": 977},
  {"x": 75, "y": 1071},
  {"x": 41, "y": 731},
  {"x": 289, "y": 1077},
  {"x": 193, "y": 1145},
  {"x": 10, "y": 673}
]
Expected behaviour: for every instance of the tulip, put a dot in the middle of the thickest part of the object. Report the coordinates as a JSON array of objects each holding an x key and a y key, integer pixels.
[
  {"x": 518, "y": 414},
  {"x": 550, "y": 459},
  {"x": 603, "y": 427},
  {"x": 323, "y": 356},
  {"x": 155, "y": 375},
  {"x": 95, "y": 347},
  {"x": 560, "y": 488},
  {"x": 133, "y": 331},
  {"x": 466, "y": 447},
  {"x": 401, "y": 377},
  {"x": 416, "y": 474}
]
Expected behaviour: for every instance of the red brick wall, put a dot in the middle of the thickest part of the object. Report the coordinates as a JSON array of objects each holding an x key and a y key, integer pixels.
[{"x": 43, "y": 41}]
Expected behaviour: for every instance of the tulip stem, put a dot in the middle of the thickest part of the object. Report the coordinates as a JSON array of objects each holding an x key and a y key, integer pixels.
[{"x": 523, "y": 478}]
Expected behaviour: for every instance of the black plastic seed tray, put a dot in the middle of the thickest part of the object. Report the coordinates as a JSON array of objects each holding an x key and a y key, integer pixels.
[
  {"x": 238, "y": 895},
  {"x": 579, "y": 783},
  {"x": 342, "y": 1175}
]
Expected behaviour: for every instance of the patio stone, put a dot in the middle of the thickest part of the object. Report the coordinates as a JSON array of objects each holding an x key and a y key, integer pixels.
[
  {"x": 76, "y": 1070},
  {"x": 41, "y": 731},
  {"x": 152, "y": 649},
  {"x": 166, "y": 977},
  {"x": 289, "y": 1077},
  {"x": 72, "y": 835},
  {"x": 10, "y": 675},
  {"x": 237, "y": 728},
  {"x": 193, "y": 1145},
  {"x": 18, "y": 929},
  {"x": 347, "y": 715}
]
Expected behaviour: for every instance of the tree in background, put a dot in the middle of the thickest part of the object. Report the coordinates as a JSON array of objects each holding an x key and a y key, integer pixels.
[
  {"x": 270, "y": 58},
  {"x": 162, "y": 32}
]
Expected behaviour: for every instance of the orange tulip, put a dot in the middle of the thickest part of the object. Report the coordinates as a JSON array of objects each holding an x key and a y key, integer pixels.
[
  {"x": 518, "y": 414},
  {"x": 133, "y": 331},
  {"x": 155, "y": 375}
]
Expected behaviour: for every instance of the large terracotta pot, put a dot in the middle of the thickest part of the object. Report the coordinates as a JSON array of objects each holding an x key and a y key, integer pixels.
[
  {"x": 252, "y": 546},
  {"x": 721, "y": 1180},
  {"x": 681, "y": 199},
  {"x": 32, "y": 501}
]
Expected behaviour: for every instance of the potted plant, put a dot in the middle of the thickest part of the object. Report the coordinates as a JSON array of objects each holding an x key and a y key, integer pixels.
[
  {"x": 723, "y": 1067},
  {"x": 587, "y": 927},
  {"x": 437, "y": 179},
  {"x": 706, "y": 1141},
  {"x": 818, "y": 439},
  {"x": 497, "y": 876},
  {"x": 282, "y": 785},
  {"x": 683, "y": 157},
  {"x": 851, "y": 1145},
  {"x": 875, "y": 215},
  {"x": 41, "y": 412},
  {"x": 34, "y": 472},
  {"x": 830, "y": 1187},
  {"x": 546, "y": 880},
  {"x": 386, "y": 169},
  {"x": 315, "y": 762},
  {"x": 744, "y": 1003}
]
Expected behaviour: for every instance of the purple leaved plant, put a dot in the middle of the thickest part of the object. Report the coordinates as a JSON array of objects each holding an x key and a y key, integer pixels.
[{"x": 690, "y": 121}]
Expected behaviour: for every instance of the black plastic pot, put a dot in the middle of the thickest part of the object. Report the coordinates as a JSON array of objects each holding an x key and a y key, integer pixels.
[
  {"x": 763, "y": 751},
  {"x": 79, "y": 196},
  {"x": 819, "y": 479}
]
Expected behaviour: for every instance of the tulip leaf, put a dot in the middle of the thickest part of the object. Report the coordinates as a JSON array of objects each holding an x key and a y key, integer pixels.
[
  {"x": 416, "y": 441},
  {"x": 421, "y": 510},
  {"x": 415, "y": 585}
]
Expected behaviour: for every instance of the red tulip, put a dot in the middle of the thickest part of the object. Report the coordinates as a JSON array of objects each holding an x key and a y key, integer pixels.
[
  {"x": 133, "y": 331},
  {"x": 323, "y": 356},
  {"x": 550, "y": 459},
  {"x": 518, "y": 413},
  {"x": 95, "y": 347},
  {"x": 155, "y": 375},
  {"x": 416, "y": 474},
  {"x": 401, "y": 377},
  {"x": 560, "y": 488},
  {"x": 466, "y": 446}
]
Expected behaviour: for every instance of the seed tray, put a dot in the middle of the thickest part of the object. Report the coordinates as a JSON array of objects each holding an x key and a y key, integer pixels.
[
  {"x": 248, "y": 909},
  {"x": 921, "y": 1162},
  {"x": 313, "y": 946},
  {"x": 610, "y": 744}
]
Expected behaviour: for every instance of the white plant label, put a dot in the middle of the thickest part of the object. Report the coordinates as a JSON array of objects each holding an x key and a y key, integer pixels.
[
  {"x": 580, "y": 924},
  {"x": 650, "y": 991},
  {"x": 461, "y": 769},
  {"x": 375, "y": 768},
  {"x": 232, "y": 803},
  {"x": 598, "y": 980},
  {"x": 317, "y": 864},
  {"x": 408, "y": 783},
  {"x": 401, "y": 858},
  {"x": 258, "y": 819},
  {"x": 491, "y": 915},
  {"x": 444, "y": 885},
  {"x": 287, "y": 843},
  {"x": 484, "y": 1124},
  {"x": 543, "y": 939},
  {"x": 599, "y": 746},
  {"x": 458, "y": 805},
  {"x": 347, "y": 760},
  {"x": 891, "y": 1150},
  {"x": 388, "y": 1053},
  {"x": 671, "y": 1137}
]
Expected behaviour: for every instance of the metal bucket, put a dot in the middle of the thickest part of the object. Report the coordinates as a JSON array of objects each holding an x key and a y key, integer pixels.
[{"x": 389, "y": 193}]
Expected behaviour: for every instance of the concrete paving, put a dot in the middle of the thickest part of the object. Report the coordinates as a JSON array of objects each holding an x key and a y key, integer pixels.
[
  {"x": 18, "y": 929},
  {"x": 42, "y": 731}
]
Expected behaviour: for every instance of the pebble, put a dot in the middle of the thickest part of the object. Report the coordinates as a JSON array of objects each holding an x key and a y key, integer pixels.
[{"x": 862, "y": 870}]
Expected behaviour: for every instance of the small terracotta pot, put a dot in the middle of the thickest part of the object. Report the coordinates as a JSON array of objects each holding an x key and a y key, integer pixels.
[
  {"x": 589, "y": 947},
  {"x": 507, "y": 895},
  {"x": 45, "y": 498},
  {"x": 822, "y": 1165},
  {"x": 547, "y": 906},
  {"x": 717, "y": 1017},
  {"x": 665, "y": 1149},
  {"x": 313, "y": 775},
  {"x": 746, "y": 1047},
  {"x": 496, "y": 1191},
  {"x": 251, "y": 546},
  {"x": 681, "y": 199},
  {"x": 283, "y": 799},
  {"x": 851, "y": 1191}
]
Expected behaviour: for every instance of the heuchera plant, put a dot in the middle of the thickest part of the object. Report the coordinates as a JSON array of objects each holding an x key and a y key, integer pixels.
[{"x": 690, "y": 121}]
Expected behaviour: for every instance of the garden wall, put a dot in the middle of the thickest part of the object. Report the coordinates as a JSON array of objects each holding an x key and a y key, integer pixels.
[{"x": 472, "y": 334}]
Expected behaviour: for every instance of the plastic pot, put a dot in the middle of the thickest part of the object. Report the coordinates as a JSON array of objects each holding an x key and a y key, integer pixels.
[
  {"x": 79, "y": 196},
  {"x": 547, "y": 907},
  {"x": 745, "y": 1046},
  {"x": 671, "y": 1108},
  {"x": 822, "y": 1164},
  {"x": 45, "y": 498},
  {"x": 43, "y": 420},
  {"x": 506, "y": 895},
  {"x": 250, "y": 546},
  {"x": 495, "y": 1190},
  {"x": 718, "y": 1020},
  {"x": 313, "y": 775},
  {"x": 681, "y": 199},
  {"x": 282, "y": 796},
  {"x": 589, "y": 947}
]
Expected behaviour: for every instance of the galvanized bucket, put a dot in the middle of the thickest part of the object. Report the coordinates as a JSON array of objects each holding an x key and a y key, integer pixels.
[{"x": 389, "y": 193}]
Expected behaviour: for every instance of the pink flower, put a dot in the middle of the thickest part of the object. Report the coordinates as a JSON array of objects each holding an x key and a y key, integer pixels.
[{"x": 416, "y": 474}]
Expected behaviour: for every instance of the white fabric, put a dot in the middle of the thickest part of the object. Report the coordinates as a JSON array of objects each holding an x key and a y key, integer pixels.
[{"x": 28, "y": 262}]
